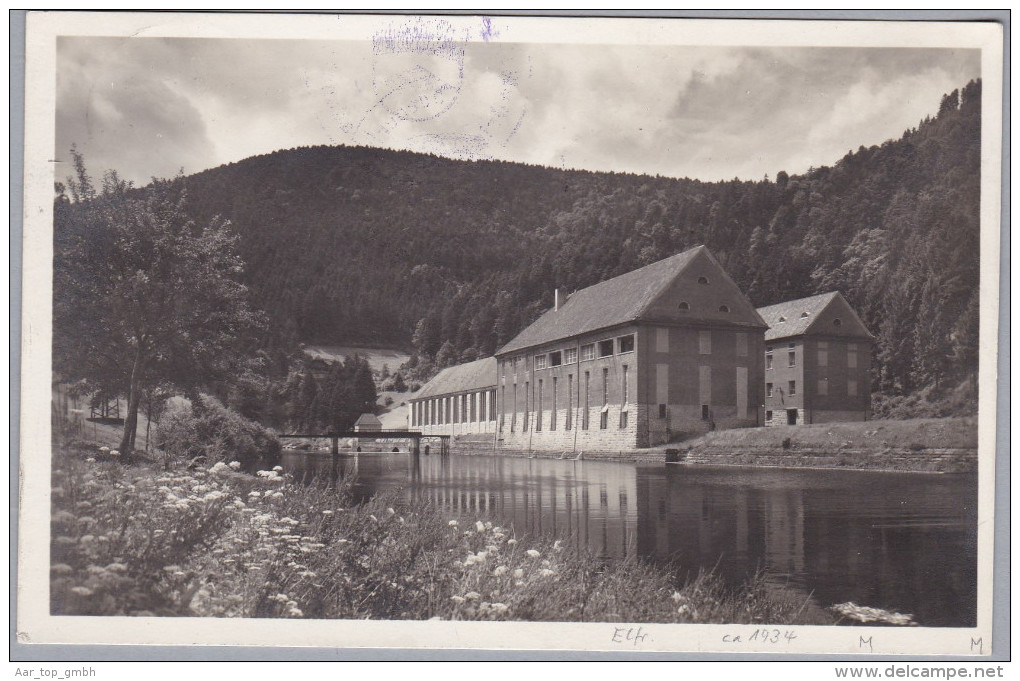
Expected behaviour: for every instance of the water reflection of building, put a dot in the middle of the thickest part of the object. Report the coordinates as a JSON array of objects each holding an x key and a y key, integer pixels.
[
  {"x": 588, "y": 503},
  {"x": 695, "y": 524}
]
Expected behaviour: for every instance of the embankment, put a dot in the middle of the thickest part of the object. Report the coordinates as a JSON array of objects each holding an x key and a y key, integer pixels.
[{"x": 947, "y": 445}]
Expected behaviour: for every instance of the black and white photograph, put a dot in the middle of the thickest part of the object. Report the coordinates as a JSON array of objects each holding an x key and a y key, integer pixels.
[{"x": 495, "y": 332}]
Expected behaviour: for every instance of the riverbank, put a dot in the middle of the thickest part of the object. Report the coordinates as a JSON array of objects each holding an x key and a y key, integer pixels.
[
  {"x": 136, "y": 540},
  {"x": 946, "y": 445}
]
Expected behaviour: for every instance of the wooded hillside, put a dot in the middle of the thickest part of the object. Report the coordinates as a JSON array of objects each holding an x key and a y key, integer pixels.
[{"x": 453, "y": 258}]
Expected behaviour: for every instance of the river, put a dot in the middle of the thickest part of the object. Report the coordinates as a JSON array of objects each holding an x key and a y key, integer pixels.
[{"x": 905, "y": 542}]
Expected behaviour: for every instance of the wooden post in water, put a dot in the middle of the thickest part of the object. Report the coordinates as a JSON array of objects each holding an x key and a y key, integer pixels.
[
  {"x": 417, "y": 446},
  {"x": 334, "y": 470}
]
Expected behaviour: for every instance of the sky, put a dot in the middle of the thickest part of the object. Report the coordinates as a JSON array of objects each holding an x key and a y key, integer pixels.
[{"x": 151, "y": 107}]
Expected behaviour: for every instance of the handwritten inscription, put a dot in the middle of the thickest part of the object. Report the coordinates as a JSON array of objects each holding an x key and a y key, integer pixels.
[
  {"x": 631, "y": 635},
  {"x": 762, "y": 635}
]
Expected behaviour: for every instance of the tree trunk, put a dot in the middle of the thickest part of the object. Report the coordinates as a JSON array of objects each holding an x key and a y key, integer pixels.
[{"x": 127, "y": 443}]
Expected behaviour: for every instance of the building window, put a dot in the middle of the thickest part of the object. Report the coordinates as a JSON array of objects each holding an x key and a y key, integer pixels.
[
  {"x": 604, "y": 419},
  {"x": 570, "y": 402},
  {"x": 684, "y": 306},
  {"x": 528, "y": 401},
  {"x": 703, "y": 281},
  {"x": 606, "y": 348},
  {"x": 513, "y": 414},
  {"x": 768, "y": 390},
  {"x": 768, "y": 357},
  {"x": 768, "y": 415},
  {"x": 492, "y": 404},
  {"x": 626, "y": 343},
  {"x": 605, "y": 387},
  {"x": 851, "y": 356},
  {"x": 626, "y": 394},
  {"x": 540, "y": 362},
  {"x": 793, "y": 388},
  {"x": 823, "y": 386},
  {"x": 587, "y": 352},
  {"x": 539, "y": 405},
  {"x": 662, "y": 411},
  {"x": 587, "y": 401},
  {"x": 570, "y": 356},
  {"x": 705, "y": 342},
  {"x": 704, "y": 412},
  {"x": 782, "y": 320},
  {"x": 823, "y": 353},
  {"x": 851, "y": 388},
  {"x": 552, "y": 418},
  {"x": 837, "y": 322},
  {"x": 793, "y": 358},
  {"x": 623, "y": 419},
  {"x": 724, "y": 308},
  {"x": 555, "y": 358},
  {"x": 741, "y": 344}
]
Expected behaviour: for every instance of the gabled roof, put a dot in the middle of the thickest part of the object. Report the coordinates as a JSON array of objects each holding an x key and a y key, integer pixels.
[
  {"x": 475, "y": 375},
  {"x": 368, "y": 420},
  {"x": 800, "y": 317},
  {"x": 627, "y": 298}
]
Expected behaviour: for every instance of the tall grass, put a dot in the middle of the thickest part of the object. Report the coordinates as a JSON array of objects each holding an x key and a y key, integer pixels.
[{"x": 218, "y": 542}]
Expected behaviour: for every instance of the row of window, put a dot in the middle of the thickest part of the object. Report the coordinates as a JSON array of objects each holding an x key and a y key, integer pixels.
[
  {"x": 803, "y": 315},
  {"x": 684, "y": 306},
  {"x": 623, "y": 345},
  {"x": 538, "y": 402},
  {"x": 823, "y": 388},
  {"x": 603, "y": 348},
  {"x": 465, "y": 408},
  {"x": 822, "y": 355}
]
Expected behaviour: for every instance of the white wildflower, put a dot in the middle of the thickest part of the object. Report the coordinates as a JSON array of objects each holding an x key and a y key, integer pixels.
[
  {"x": 500, "y": 571},
  {"x": 457, "y": 599},
  {"x": 479, "y": 527},
  {"x": 472, "y": 595},
  {"x": 452, "y": 523},
  {"x": 518, "y": 573},
  {"x": 235, "y": 465},
  {"x": 545, "y": 572},
  {"x": 511, "y": 542},
  {"x": 499, "y": 608},
  {"x": 533, "y": 553}
]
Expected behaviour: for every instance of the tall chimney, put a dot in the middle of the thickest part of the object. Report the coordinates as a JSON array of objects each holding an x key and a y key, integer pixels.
[{"x": 556, "y": 300}]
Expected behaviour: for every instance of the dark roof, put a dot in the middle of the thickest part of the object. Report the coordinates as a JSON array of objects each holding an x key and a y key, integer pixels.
[
  {"x": 475, "y": 375},
  {"x": 368, "y": 420},
  {"x": 795, "y": 317},
  {"x": 619, "y": 300}
]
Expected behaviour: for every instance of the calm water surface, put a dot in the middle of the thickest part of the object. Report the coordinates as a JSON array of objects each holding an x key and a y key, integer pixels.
[{"x": 902, "y": 541}]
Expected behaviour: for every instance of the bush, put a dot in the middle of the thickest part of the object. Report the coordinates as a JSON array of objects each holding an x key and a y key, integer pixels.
[{"x": 208, "y": 429}]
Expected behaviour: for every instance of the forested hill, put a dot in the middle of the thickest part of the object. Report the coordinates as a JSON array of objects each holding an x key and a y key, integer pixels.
[{"x": 368, "y": 245}]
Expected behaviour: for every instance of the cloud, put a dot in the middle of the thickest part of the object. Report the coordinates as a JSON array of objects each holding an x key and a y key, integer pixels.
[{"x": 151, "y": 106}]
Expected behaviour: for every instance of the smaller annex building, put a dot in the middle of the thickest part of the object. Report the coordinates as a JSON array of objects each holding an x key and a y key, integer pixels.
[
  {"x": 667, "y": 350},
  {"x": 368, "y": 423},
  {"x": 459, "y": 400},
  {"x": 817, "y": 362}
]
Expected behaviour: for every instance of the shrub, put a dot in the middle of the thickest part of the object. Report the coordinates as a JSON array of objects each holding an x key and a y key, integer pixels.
[{"x": 208, "y": 429}]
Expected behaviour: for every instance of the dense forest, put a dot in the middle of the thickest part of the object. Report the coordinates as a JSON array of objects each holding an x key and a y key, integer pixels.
[{"x": 453, "y": 258}]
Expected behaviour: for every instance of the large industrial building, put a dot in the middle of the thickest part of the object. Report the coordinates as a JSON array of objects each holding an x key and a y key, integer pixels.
[{"x": 653, "y": 356}]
